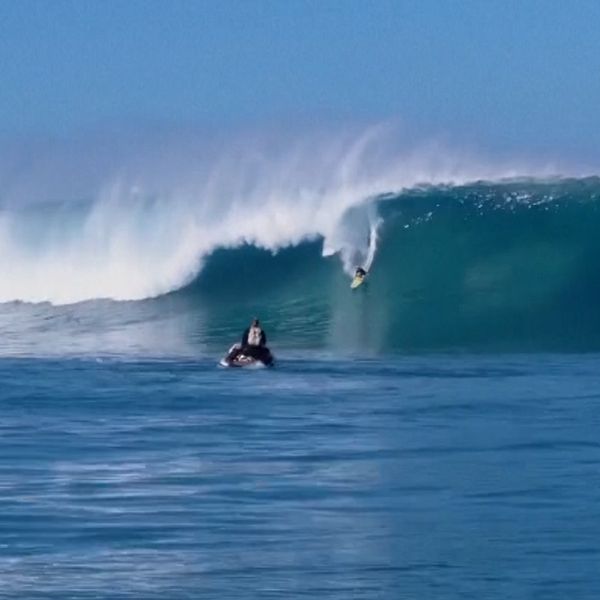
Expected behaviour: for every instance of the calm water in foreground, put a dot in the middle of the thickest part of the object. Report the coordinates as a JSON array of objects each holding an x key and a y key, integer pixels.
[{"x": 403, "y": 477}]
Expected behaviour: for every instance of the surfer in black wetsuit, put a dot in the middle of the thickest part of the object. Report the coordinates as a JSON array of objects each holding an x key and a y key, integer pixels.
[
  {"x": 360, "y": 272},
  {"x": 254, "y": 344},
  {"x": 254, "y": 336}
]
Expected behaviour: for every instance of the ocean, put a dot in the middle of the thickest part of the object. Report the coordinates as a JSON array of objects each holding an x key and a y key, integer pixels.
[{"x": 432, "y": 434}]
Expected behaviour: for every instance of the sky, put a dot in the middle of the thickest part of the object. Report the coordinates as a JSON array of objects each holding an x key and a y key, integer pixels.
[{"x": 510, "y": 74}]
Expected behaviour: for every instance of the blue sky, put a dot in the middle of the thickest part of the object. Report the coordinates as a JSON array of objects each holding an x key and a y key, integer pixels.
[{"x": 508, "y": 73}]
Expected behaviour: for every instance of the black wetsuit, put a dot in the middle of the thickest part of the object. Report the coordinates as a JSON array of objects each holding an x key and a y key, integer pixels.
[{"x": 260, "y": 352}]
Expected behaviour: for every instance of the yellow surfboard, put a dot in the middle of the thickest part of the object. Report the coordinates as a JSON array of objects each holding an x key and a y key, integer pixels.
[{"x": 357, "y": 281}]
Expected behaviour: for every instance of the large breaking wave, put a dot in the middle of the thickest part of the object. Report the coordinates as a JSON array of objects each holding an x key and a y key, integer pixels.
[
  {"x": 138, "y": 221},
  {"x": 499, "y": 266},
  {"x": 464, "y": 255}
]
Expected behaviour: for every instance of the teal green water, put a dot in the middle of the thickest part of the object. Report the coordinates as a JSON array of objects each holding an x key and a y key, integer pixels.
[{"x": 505, "y": 267}]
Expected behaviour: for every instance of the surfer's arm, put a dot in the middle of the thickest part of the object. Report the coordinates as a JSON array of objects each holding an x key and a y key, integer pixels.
[
  {"x": 263, "y": 338},
  {"x": 245, "y": 337}
]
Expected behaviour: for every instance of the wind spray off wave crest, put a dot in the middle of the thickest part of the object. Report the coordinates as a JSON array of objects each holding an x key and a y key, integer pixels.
[{"x": 146, "y": 224}]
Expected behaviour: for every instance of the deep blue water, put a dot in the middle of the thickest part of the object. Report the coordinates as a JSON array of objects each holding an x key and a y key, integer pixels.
[{"x": 435, "y": 476}]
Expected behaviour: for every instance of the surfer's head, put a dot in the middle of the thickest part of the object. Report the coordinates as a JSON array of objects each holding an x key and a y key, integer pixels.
[{"x": 255, "y": 322}]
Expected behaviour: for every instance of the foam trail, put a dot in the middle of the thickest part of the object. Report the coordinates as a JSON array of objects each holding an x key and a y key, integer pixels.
[
  {"x": 355, "y": 238},
  {"x": 158, "y": 211},
  {"x": 373, "y": 240}
]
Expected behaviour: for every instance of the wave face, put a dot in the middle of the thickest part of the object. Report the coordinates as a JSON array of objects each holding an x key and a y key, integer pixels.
[{"x": 505, "y": 266}]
